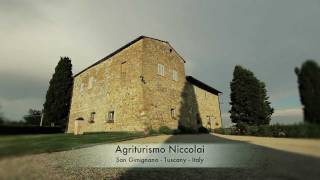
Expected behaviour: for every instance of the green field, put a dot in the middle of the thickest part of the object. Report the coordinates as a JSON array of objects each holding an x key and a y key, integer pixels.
[{"x": 15, "y": 145}]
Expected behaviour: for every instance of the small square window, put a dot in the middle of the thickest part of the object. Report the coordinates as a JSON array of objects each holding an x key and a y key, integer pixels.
[
  {"x": 174, "y": 75},
  {"x": 110, "y": 117},
  {"x": 173, "y": 113},
  {"x": 124, "y": 69},
  {"x": 92, "y": 116},
  {"x": 81, "y": 87},
  {"x": 161, "y": 69},
  {"x": 92, "y": 82}
]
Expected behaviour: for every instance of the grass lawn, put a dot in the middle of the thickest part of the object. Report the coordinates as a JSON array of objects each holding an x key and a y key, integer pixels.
[{"x": 15, "y": 145}]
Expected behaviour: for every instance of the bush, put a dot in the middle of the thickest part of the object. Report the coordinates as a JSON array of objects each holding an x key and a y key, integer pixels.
[
  {"x": 30, "y": 130},
  {"x": 203, "y": 130},
  {"x": 165, "y": 130},
  {"x": 186, "y": 130},
  {"x": 176, "y": 131},
  {"x": 303, "y": 130},
  {"x": 153, "y": 132},
  {"x": 226, "y": 131},
  {"x": 241, "y": 129}
]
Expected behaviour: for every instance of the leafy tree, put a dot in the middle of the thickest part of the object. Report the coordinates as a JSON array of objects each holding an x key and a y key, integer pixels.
[
  {"x": 33, "y": 117},
  {"x": 57, "y": 104},
  {"x": 249, "y": 100},
  {"x": 2, "y": 119},
  {"x": 309, "y": 88}
]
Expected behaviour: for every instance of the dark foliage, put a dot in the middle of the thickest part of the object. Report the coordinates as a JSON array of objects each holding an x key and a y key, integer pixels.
[
  {"x": 309, "y": 88},
  {"x": 1, "y": 117},
  {"x": 165, "y": 130},
  {"x": 203, "y": 130},
  {"x": 57, "y": 104},
  {"x": 33, "y": 117},
  {"x": 186, "y": 130},
  {"x": 249, "y": 100},
  {"x": 7, "y": 129},
  {"x": 304, "y": 130}
]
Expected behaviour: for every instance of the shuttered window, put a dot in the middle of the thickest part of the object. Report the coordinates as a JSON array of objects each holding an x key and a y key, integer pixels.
[{"x": 161, "y": 69}]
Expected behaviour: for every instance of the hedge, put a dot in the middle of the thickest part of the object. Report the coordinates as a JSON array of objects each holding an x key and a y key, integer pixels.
[{"x": 10, "y": 130}]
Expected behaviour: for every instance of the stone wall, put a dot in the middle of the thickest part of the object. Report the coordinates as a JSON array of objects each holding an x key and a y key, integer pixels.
[
  {"x": 116, "y": 87},
  {"x": 128, "y": 83},
  {"x": 162, "y": 94},
  {"x": 208, "y": 107}
]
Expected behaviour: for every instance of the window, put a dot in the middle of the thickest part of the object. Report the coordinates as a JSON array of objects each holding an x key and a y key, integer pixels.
[
  {"x": 81, "y": 87},
  {"x": 123, "y": 69},
  {"x": 92, "y": 115},
  {"x": 161, "y": 69},
  {"x": 110, "y": 118},
  {"x": 174, "y": 75},
  {"x": 173, "y": 113},
  {"x": 91, "y": 82}
]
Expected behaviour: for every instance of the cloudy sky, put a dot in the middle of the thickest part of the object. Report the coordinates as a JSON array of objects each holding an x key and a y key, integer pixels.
[{"x": 270, "y": 37}]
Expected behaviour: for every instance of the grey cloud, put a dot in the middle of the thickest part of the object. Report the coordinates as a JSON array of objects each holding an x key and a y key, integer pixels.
[
  {"x": 16, "y": 86},
  {"x": 269, "y": 37}
]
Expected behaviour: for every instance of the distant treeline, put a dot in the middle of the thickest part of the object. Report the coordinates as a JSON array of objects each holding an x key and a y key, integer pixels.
[{"x": 7, "y": 130}]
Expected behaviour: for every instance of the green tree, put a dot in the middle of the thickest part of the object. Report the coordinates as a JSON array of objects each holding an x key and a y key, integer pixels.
[
  {"x": 1, "y": 117},
  {"x": 309, "y": 89},
  {"x": 57, "y": 104},
  {"x": 249, "y": 100},
  {"x": 33, "y": 117}
]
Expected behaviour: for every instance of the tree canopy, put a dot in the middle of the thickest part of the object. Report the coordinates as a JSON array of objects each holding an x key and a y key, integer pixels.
[
  {"x": 249, "y": 100},
  {"x": 1, "y": 117},
  {"x": 309, "y": 89},
  {"x": 57, "y": 104},
  {"x": 33, "y": 117}
]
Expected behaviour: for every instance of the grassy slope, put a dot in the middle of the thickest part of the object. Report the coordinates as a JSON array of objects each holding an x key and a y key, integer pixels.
[{"x": 32, "y": 144}]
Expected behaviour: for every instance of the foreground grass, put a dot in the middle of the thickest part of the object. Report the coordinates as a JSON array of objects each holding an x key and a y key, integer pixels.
[{"x": 15, "y": 145}]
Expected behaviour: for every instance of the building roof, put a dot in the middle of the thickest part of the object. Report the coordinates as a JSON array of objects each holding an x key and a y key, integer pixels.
[
  {"x": 202, "y": 85},
  {"x": 122, "y": 48}
]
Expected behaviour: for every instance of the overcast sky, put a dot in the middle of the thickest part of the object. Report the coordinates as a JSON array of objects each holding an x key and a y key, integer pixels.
[{"x": 270, "y": 37}]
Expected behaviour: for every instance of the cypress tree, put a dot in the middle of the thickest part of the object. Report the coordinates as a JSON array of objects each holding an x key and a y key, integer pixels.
[
  {"x": 309, "y": 89},
  {"x": 57, "y": 104},
  {"x": 249, "y": 100},
  {"x": 1, "y": 117}
]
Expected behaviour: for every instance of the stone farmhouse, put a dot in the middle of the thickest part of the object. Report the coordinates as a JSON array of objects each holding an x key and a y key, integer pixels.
[{"x": 141, "y": 86}]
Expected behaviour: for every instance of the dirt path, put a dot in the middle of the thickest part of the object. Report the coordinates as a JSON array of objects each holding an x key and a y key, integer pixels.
[
  {"x": 280, "y": 158},
  {"x": 310, "y": 147}
]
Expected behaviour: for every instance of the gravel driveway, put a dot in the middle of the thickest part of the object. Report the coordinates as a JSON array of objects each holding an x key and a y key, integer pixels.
[{"x": 280, "y": 159}]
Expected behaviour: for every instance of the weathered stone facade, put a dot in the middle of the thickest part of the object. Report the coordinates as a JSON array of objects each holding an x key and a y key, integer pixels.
[{"x": 140, "y": 86}]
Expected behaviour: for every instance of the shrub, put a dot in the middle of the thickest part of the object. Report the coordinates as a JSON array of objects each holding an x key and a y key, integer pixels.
[
  {"x": 203, "y": 130},
  {"x": 303, "y": 130},
  {"x": 239, "y": 129},
  {"x": 176, "y": 131},
  {"x": 30, "y": 130},
  {"x": 165, "y": 130},
  {"x": 186, "y": 130},
  {"x": 153, "y": 132},
  {"x": 226, "y": 131}
]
